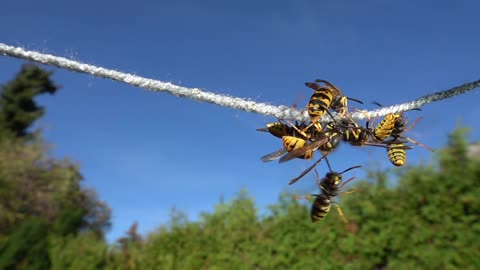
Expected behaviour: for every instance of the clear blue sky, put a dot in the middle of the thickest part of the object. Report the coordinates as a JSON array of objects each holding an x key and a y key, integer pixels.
[{"x": 145, "y": 153}]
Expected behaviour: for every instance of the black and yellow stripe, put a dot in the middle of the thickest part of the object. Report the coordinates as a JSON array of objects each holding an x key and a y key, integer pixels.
[
  {"x": 396, "y": 154},
  {"x": 319, "y": 103},
  {"x": 291, "y": 143},
  {"x": 385, "y": 128},
  {"x": 320, "y": 207}
]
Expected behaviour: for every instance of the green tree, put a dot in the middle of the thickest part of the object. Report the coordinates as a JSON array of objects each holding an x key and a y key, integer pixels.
[
  {"x": 429, "y": 219},
  {"x": 77, "y": 252},
  {"x": 18, "y": 109},
  {"x": 27, "y": 246},
  {"x": 36, "y": 185}
]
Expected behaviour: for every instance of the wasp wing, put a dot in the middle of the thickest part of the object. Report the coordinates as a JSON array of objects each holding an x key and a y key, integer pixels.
[
  {"x": 291, "y": 182},
  {"x": 275, "y": 155},
  {"x": 302, "y": 150}
]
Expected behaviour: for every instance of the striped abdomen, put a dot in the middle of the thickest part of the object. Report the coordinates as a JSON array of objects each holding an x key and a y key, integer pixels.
[
  {"x": 319, "y": 103},
  {"x": 333, "y": 141},
  {"x": 356, "y": 136},
  {"x": 279, "y": 130},
  {"x": 320, "y": 207},
  {"x": 398, "y": 156},
  {"x": 384, "y": 129},
  {"x": 291, "y": 143}
]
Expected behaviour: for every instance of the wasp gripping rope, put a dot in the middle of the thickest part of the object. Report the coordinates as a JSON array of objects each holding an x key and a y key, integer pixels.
[{"x": 280, "y": 112}]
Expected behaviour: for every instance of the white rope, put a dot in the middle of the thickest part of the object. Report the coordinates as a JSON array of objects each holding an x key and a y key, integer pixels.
[{"x": 280, "y": 112}]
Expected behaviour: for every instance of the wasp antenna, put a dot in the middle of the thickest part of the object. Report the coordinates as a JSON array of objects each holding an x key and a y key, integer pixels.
[
  {"x": 377, "y": 103},
  {"x": 318, "y": 178},
  {"x": 354, "y": 99},
  {"x": 329, "y": 113},
  {"x": 328, "y": 164},
  {"x": 351, "y": 168}
]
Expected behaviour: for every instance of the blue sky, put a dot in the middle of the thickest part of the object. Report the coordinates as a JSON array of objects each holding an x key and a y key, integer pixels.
[{"x": 148, "y": 152}]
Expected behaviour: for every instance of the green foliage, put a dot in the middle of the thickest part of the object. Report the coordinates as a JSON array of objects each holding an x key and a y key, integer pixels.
[
  {"x": 429, "y": 219},
  {"x": 18, "y": 109},
  {"x": 32, "y": 184},
  {"x": 130, "y": 250},
  {"x": 79, "y": 252},
  {"x": 43, "y": 207},
  {"x": 221, "y": 240},
  {"x": 27, "y": 247},
  {"x": 35, "y": 185}
]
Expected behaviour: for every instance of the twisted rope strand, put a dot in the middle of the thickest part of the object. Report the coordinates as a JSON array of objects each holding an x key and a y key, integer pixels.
[
  {"x": 419, "y": 102},
  {"x": 280, "y": 112}
]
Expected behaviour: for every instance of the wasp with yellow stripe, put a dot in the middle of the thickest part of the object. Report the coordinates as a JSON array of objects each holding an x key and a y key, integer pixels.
[
  {"x": 360, "y": 136},
  {"x": 291, "y": 139},
  {"x": 325, "y": 97},
  {"x": 326, "y": 142},
  {"x": 298, "y": 144},
  {"x": 389, "y": 123},
  {"x": 396, "y": 154},
  {"x": 330, "y": 187}
]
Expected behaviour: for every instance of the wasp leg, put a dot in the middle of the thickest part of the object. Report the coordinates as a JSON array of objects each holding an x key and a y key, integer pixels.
[
  {"x": 303, "y": 131},
  {"x": 419, "y": 144},
  {"x": 340, "y": 212},
  {"x": 412, "y": 125},
  {"x": 300, "y": 197},
  {"x": 350, "y": 191},
  {"x": 364, "y": 112},
  {"x": 344, "y": 183}
]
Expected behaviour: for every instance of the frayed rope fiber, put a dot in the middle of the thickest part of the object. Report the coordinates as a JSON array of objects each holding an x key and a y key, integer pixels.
[{"x": 280, "y": 112}]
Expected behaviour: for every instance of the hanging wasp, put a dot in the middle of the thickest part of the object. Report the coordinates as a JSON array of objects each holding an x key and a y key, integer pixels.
[
  {"x": 291, "y": 140},
  {"x": 330, "y": 186},
  {"x": 331, "y": 139},
  {"x": 290, "y": 143},
  {"x": 397, "y": 155},
  {"x": 359, "y": 136},
  {"x": 325, "y": 140},
  {"x": 325, "y": 97},
  {"x": 395, "y": 126},
  {"x": 390, "y": 121},
  {"x": 298, "y": 145},
  {"x": 280, "y": 129}
]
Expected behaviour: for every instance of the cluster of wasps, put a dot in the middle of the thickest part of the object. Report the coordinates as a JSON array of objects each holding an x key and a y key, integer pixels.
[{"x": 302, "y": 139}]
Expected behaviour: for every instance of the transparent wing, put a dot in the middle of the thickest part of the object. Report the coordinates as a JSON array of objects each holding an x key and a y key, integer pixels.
[
  {"x": 273, "y": 156},
  {"x": 302, "y": 150},
  {"x": 308, "y": 169}
]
